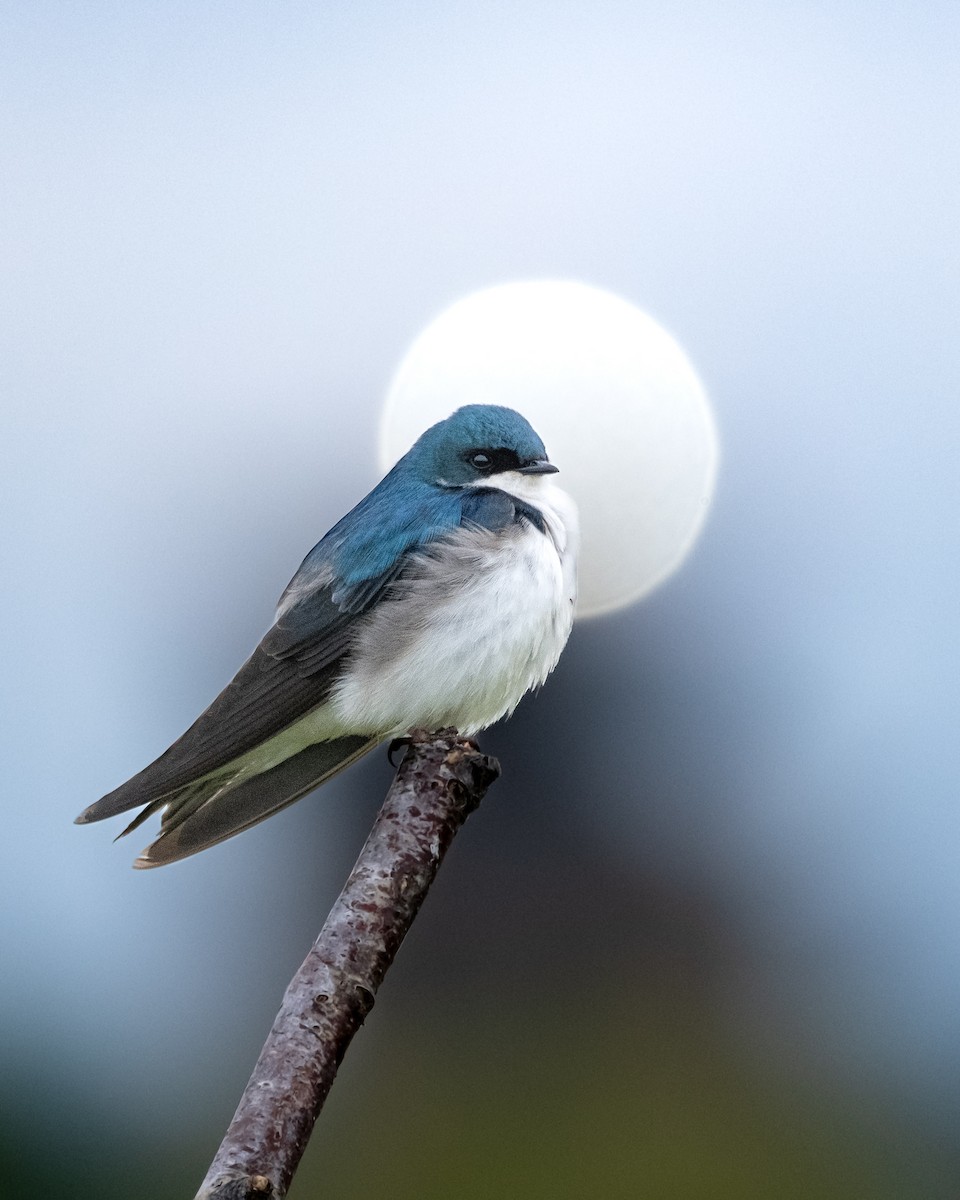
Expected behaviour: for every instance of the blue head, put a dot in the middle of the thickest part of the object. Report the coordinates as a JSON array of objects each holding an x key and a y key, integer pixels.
[
  {"x": 415, "y": 501},
  {"x": 475, "y": 443}
]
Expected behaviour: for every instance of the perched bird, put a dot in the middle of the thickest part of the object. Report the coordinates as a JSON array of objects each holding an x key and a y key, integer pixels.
[{"x": 443, "y": 597}]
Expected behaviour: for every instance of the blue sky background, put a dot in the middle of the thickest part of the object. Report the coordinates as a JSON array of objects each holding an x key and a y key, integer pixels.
[{"x": 220, "y": 228}]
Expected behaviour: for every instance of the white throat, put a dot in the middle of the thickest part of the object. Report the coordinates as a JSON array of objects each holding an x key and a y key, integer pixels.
[{"x": 560, "y": 516}]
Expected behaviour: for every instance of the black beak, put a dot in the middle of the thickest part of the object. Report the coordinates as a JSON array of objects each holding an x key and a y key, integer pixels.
[{"x": 539, "y": 466}]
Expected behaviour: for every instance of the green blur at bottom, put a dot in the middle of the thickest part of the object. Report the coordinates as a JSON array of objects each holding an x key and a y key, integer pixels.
[
  {"x": 596, "y": 1104},
  {"x": 599, "y": 1093}
]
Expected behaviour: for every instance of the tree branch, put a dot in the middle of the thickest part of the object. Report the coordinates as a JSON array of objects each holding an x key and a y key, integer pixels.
[{"x": 441, "y": 780}]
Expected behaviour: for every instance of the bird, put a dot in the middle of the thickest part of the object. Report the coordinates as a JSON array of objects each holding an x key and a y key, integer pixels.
[{"x": 437, "y": 602}]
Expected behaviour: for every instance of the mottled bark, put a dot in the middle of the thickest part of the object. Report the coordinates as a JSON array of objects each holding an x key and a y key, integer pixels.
[{"x": 440, "y": 782}]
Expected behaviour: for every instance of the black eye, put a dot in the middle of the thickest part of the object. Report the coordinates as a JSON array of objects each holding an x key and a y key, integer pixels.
[{"x": 491, "y": 460}]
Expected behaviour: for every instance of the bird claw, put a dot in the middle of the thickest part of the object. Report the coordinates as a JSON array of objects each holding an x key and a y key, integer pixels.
[
  {"x": 405, "y": 742},
  {"x": 425, "y": 735}
]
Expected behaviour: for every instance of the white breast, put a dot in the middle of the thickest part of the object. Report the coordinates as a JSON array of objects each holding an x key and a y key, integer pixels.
[{"x": 477, "y": 622}]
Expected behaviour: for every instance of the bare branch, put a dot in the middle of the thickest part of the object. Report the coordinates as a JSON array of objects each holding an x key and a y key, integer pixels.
[{"x": 441, "y": 780}]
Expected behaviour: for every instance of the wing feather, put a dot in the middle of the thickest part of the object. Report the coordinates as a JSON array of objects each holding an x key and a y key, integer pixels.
[{"x": 198, "y": 824}]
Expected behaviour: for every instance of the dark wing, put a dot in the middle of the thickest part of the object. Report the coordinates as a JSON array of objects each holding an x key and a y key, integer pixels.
[
  {"x": 190, "y": 824},
  {"x": 269, "y": 692}
]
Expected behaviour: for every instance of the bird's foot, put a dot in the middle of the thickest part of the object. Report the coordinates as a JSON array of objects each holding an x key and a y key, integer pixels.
[
  {"x": 396, "y": 744},
  {"x": 424, "y": 735}
]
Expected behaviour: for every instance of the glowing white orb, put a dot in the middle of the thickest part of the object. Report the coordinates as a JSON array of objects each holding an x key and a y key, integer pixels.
[{"x": 616, "y": 401}]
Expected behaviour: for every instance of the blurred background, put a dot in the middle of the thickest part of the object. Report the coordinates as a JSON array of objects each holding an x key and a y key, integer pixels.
[{"x": 702, "y": 939}]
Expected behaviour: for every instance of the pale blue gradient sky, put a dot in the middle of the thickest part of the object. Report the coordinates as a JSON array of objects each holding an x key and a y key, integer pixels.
[{"x": 220, "y": 230}]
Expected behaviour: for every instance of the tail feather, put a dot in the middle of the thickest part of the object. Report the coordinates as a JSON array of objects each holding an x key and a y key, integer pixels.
[
  {"x": 180, "y": 803},
  {"x": 215, "y": 809}
]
